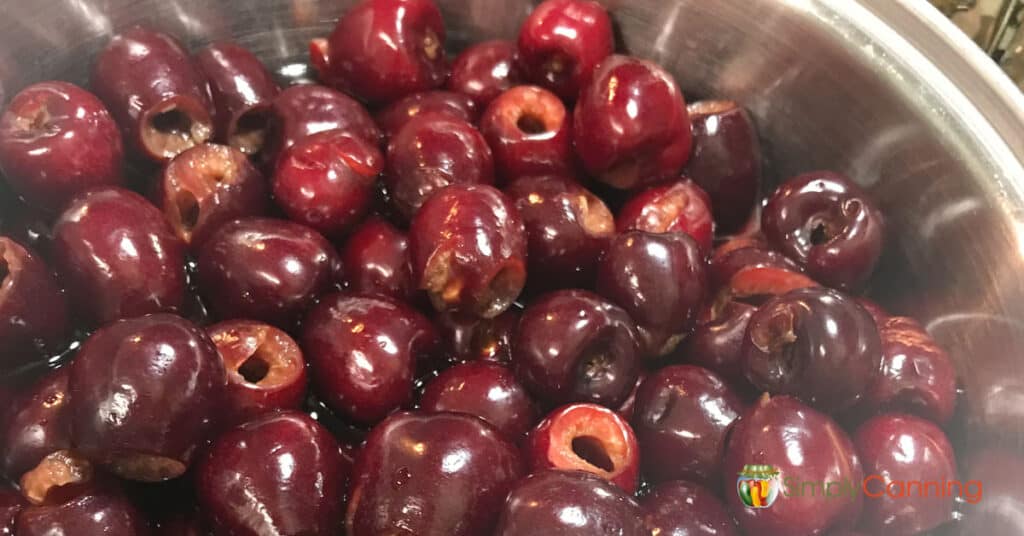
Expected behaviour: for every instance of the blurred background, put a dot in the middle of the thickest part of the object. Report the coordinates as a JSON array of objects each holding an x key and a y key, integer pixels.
[{"x": 996, "y": 25}]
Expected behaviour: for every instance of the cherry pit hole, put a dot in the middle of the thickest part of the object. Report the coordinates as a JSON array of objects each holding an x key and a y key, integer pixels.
[
  {"x": 251, "y": 131},
  {"x": 254, "y": 369},
  {"x": 188, "y": 210},
  {"x": 591, "y": 450},
  {"x": 531, "y": 124},
  {"x": 819, "y": 234},
  {"x": 173, "y": 122}
]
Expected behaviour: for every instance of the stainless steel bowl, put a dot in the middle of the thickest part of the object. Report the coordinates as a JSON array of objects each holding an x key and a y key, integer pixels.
[{"x": 887, "y": 91}]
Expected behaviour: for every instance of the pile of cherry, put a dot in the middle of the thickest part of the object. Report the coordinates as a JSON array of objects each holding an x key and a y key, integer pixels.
[{"x": 513, "y": 287}]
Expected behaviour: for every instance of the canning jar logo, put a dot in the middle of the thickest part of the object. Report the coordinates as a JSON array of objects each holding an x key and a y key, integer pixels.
[{"x": 758, "y": 485}]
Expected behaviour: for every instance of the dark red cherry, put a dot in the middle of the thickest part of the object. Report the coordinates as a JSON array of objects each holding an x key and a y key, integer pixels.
[
  {"x": 363, "y": 352},
  {"x": 101, "y": 511},
  {"x": 660, "y": 280},
  {"x": 803, "y": 445},
  {"x": 487, "y": 390},
  {"x": 717, "y": 342},
  {"x": 58, "y": 140},
  {"x": 455, "y": 470},
  {"x": 574, "y": 346},
  {"x": 682, "y": 508},
  {"x": 208, "y": 185},
  {"x": 530, "y": 132},
  {"x": 382, "y": 50},
  {"x": 432, "y": 151},
  {"x": 242, "y": 90},
  {"x": 326, "y": 180},
  {"x": 154, "y": 91},
  {"x": 469, "y": 338},
  {"x": 627, "y": 407},
  {"x": 561, "y": 43},
  {"x": 306, "y": 109},
  {"x": 898, "y": 450},
  {"x": 828, "y": 224},
  {"x": 467, "y": 245},
  {"x": 392, "y": 118},
  {"x": 677, "y": 207},
  {"x": 265, "y": 369},
  {"x": 118, "y": 257},
  {"x": 482, "y": 71},
  {"x": 813, "y": 343},
  {"x": 681, "y": 419},
  {"x": 11, "y": 504},
  {"x": 630, "y": 124},
  {"x": 376, "y": 260},
  {"x": 280, "y": 474},
  {"x": 569, "y": 502},
  {"x": 33, "y": 309},
  {"x": 726, "y": 160},
  {"x": 145, "y": 393},
  {"x": 586, "y": 437},
  {"x": 39, "y": 423},
  {"x": 567, "y": 229},
  {"x": 877, "y": 312},
  {"x": 264, "y": 269},
  {"x": 725, "y": 265}
]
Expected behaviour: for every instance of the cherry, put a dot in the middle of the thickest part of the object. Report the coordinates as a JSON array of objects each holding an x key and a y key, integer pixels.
[
  {"x": 676, "y": 207},
  {"x": 33, "y": 309},
  {"x": 432, "y": 151},
  {"x": 717, "y": 342},
  {"x": 628, "y": 406},
  {"x": 242, "y": 89},
  {"x": 569, "y": 502},
  {"x": 326, "y": 180},
  {"x": 681, "y": 508},
  {"x": 574, "y": 346},
  {"x": 58, "y": 140},
  {"x": 102, "y": 511},
  {"x": 826, "y": 223},
  {"x": 376, "y": 260},
  {"x": 382, "y": 50},
  {"x": 279, "y": 474},
  {"x": 484, "y": 389},
  {"x": 456, "y": 470},
  {"x": 530, "y": 133},
  {"x": 681, "y": 419},
  {"x": 393, "y": 117},
  {"x": 630, "y": 124},
  {"x": 11, "y": 504},
  {"x": 725, "y": 265},
  {"x": 561, "y": 43},
  {"x": 154, "y": 91},
  {"x": 468, "y": 250},
  {"x": 877, "y": 312},
  {"x": 484, "y": 70},
  {"x": 586, "y": 437},
  {"x": 38, "y": 425},
  {"x": 468, "y": 337}
]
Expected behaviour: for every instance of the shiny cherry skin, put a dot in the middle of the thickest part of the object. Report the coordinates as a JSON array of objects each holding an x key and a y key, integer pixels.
[
  {"x": 376, "y": 260},
  {"x": 877, "y": 312},
  {"x": 530, "y": 132},
  {"x": 264, "y": 269},
  {"x": 660, "y": 280},
  {"x": 394, "y": 116},
  {"x": 726, "y": 160},
  {"x": 681, "y": 419},
  {"x": 205, "y": 186},
  {"x": 586, "y": 437},
  {"x": 326, "y": 180},
  {"x": 301, "y": 110},
  {"x": 101, "y": 511},
  {"x": 470, "y": 338},
  {"x": 484, "y": 389},
  {"x": 630, "y": 125},
  {"x": 154, "y": 91},
  {"x": 627, "y": 407},
  {"x": 682, "y": 508},
  {"x": 38, "y": 425},
  {"x": 363, "y": 352},
  {"x": 826, "y": 223},
  {"x": 561, "y": 43},
  {"x": 408, "y": 456},
  {"x": 279, "y": 474},
  {"x": 58, "y": 140},
  {"x": 483, "y": 70},
  {"x": 33, "y": 309},
  {"x": 431, "y": 151},
  {"x": 899, "y": 448},
  {"x": 265, "y": 369},
  {"x": 675, "y": 207},
  {"x": 815, "y": 344},
  {"x": 11, "y": 504},
  {"x": 467, "y": 245},
  {"x": 575, "y": 346},
  {"x": 916, "y": 376},
  {"x": 242, "y": 89},
  {"x": 567, "y": 229},
  {"x": 382, "y": 50},
  {"x": 771, "y": 432},
  {"x": 146, "y": 392},
  {"x": 118, "y": 257},
  {"x": 996, "y": 471},
  {"x": 569, "y": 502},
  {"x": 725, "y": 265},
  {"x": 716, "y": 343}
]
